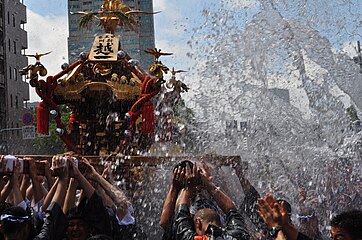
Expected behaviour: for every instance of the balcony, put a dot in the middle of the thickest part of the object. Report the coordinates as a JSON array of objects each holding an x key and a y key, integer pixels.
[
  {"x": 23, "y": 35},
  {"x": 21, "y": 8}
]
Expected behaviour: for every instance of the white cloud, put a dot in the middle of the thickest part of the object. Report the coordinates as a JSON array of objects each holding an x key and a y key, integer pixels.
[
  {"x": 159, "y": 5},
  {"x": 47, "y": 33},
  {"x": 240, "y": 3}
]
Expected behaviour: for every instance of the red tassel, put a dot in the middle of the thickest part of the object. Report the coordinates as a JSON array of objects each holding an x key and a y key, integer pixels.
[
  {"x": 73, "y": 118},
  {"x": 148, "y": 118},
  {"x": 42, "y": 112}
]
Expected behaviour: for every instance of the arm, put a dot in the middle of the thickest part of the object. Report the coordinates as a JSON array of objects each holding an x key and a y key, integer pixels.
[
  {"x": 275, "y": 215},
  {"x": 112, "y": 191},
  {"x": 222, "y": 200},
  {"x": 105, "y": 198},
  {"x": 50, "y": 195},
  {"x": 55, "y": 221},
  {"x": 14, "y": 183},
  {"x": 37, "y": 190},
  {"x": 48, "y": 175},
  {"x": 24, "y": 185},
  {"x": 88, "y": 189},
  {"x": 250, "y": 199},
  {"x": 183, "y": 221},
  {"x": 70, "y": 197},
  {"x": 6, "y": 191},
  {"x": 170, "y": 201}
]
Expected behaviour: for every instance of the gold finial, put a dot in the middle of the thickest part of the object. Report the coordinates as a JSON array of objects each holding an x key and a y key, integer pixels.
[
  {"x": 156, "y": 53},
  {"x": 37, "y": 56},
  {"x": 112, "y": 13}
]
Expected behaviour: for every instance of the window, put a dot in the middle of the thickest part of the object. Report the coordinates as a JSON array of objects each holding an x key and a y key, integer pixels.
[
  {"x": 10, "y": 73},
  {"x": 14, "y": 20},
  {"x": 8, "y": 17},
  {"x": 1, "y": 66},
  {"x": 16, "y": 102},
  {"x": 15, "y": 74},
  {"x": 11, "y": 100},
  {"x": 14, "y": 47},
  {"x": 9, "y": 44}
]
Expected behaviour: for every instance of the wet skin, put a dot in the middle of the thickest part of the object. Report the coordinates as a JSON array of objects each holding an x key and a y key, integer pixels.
[
  {"x": 77, "y": 230},
  {"x": 339, "y": 234}
]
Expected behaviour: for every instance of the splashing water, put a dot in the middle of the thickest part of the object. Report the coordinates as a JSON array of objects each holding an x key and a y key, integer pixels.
[{"x": 275, "y": 68}]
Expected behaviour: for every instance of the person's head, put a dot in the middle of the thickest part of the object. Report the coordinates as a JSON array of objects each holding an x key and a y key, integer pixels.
[
  {"x": 78, "y": 228},
  {"x": 347, "y": 226},
  {"x": 308, "y": 221},
  {"x": 15, "y": 223},
  {"x": 203, "y": 218}
]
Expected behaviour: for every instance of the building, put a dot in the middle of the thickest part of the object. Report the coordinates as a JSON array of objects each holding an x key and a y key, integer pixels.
[
  {"x": 13, "y": 88},
  {"x": 80, "y": 40}
]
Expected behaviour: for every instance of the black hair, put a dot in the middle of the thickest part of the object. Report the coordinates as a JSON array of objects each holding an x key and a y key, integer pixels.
[
  {"x": 4, "y": 206},
  {"x": 74, "y": 213},
  {"x": 14, "y": 220},
  {"x": 350, "y": 221}
]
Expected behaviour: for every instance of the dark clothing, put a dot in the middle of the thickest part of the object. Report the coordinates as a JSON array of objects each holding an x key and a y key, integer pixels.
[
  {"x": 301, "y": 236},
  {"x": 234, "y": 227},
  {"x": 170, "y": 233},
  {"x": 124, "y": 232},
  {"x": 95, "y": 214},
  {"x": 249, "y": 208},
  {"x": 54, "y": 223}
]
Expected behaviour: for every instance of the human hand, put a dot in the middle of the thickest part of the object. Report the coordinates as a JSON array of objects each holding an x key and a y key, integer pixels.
[
  {"x": 90, "y": 172},
  {"x": 59, "y": 167},
  {"x": 14, "y": 180},
  {"x": 273, "y": 213},
  {"x": 269, "y": 213},
  {"x": 73, "y": 167},
  {"x": 33, "y": 171},
  {"x": 47, "y": 166},
  {"x": 205, "y": 174},
  {"x": 178, "y": 178},
  {"x": 192, "y": 176}
]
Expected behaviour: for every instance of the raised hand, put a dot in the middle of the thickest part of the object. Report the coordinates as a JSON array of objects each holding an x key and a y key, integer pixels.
[
  {"x": 59, "y": 166},
  {"x": 90, "y": 172},
  {"x": 205, "y": 174},
  {"x": 192, "y": 177},
  {"x": 178, "y": 178},
  {"x": 273, "y": 213}
]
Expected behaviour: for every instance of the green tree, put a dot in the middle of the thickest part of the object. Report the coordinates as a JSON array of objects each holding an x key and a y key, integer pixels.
[{"x": 52, "y": 144}]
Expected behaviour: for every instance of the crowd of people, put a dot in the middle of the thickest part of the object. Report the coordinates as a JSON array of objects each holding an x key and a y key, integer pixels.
[{"x": 67, "y": 203}]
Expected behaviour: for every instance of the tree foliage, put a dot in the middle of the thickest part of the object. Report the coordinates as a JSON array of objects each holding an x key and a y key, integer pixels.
[{"x": 51, "y": 144}]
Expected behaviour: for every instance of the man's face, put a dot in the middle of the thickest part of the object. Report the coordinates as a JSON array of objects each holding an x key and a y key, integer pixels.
[
  {"x": 338, "y": 233},
  {"x": 77, "y": 230}
]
